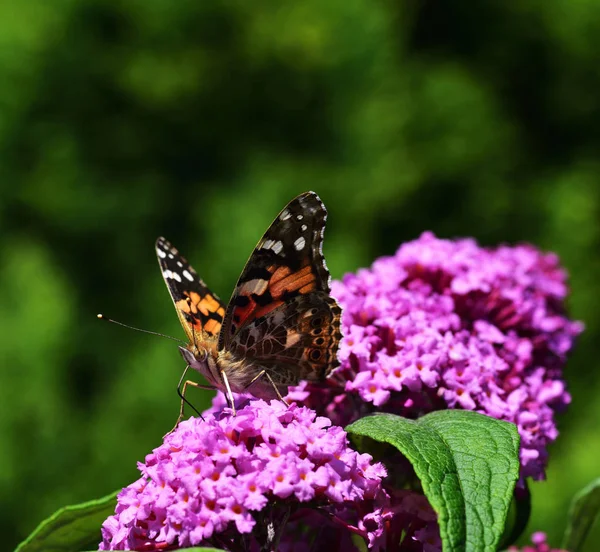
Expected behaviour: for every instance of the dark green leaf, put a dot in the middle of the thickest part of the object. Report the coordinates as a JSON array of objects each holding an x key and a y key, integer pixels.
[
  {"x": 521, "y": 505},
  {"x": 584, "y": 510},
  {"x": 468, "y": 465},
  {"x": 71, "y": 528}
]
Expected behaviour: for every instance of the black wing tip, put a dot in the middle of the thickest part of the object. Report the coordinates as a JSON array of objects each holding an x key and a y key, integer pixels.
[
  {"x": 163, "y": 245},
  {"x": 311, "y": 199},
  {"x": 164, "y": 250},
  {"x": 309, "y": 194}
]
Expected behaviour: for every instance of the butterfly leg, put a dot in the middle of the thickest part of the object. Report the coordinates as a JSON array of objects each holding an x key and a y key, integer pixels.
[
  {"x": 266, "y": 374},
  {"x": 275, "y": 388},
  {"x": 228, "y": 394},
  {"x": 181, "y": 389},
  {"x": 260, "y": 374}
]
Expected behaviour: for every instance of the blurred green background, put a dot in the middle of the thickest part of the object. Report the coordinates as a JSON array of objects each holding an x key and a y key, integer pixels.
[{"x": 198, "y": 120}]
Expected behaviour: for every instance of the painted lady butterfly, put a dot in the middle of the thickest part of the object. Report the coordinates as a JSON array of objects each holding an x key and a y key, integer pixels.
[{"x": 280, "y": 326}]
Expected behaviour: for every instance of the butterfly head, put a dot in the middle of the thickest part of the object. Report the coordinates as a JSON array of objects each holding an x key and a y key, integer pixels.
[
  {"x": 193, "y": 356},
  {"x": 201, "y": 360}
]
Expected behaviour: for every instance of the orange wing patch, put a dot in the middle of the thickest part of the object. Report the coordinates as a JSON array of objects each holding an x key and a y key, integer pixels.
[
  {"x": 199, "y": 310},
  {"x": 259, "y": 297},
  {"x": 202, "y": 313},
  {"x": 286, "y": 281}
]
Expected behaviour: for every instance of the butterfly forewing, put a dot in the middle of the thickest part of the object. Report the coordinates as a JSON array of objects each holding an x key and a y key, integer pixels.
[
  {"x": 200, "y": 311},
  {"x": 281, "y": 315}
]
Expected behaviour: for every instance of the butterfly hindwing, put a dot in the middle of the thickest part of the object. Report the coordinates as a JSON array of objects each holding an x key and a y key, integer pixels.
[
  {"x": 200, "y": 311},
  {"x": 297, "y": 341},
  {"x": 280, "y": 313}
]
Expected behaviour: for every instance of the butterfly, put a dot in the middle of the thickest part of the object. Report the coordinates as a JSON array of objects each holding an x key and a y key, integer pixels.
[{"x": 281, "y": 324}]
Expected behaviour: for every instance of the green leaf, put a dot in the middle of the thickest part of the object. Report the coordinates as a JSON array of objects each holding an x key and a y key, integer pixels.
[
  {"x": 584, "y": 510},
  {"x": 522, "y": 512},
  {"x": 71, "y": 528},
  {"x": 468, "y": 465}
]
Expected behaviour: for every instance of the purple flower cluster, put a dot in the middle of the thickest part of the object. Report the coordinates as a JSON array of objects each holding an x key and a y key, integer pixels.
[
  {"x": 225, "y": 479},
  {"x": 413, "y": 523},
  {"x": 539, "y": 545},
  {"x": 410, "y": 521},
  {"x": 441, "y": 324},
  {"x": 449, "y": 324}
]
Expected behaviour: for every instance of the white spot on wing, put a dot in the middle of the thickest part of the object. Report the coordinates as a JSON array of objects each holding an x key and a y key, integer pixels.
[
  {"x": 278, "y": 318},
  {"x": 257, "y": 286},
  {"x": 277, "y": 247},
  {"x": 299, "y": 217},
  {"x": 161, "y": 253},
  {"x": 300, "y": 243},
  {"x": 285, "y": 215},
  {"x": 304, "y": 228},
  {"x": 292, "y": 338},
  {"x": 170, "y": 275},
  {"x": 188, "y": 275}
]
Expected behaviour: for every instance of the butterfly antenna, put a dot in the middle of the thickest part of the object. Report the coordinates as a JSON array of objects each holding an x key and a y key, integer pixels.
[{"x": 102, "y": 317}]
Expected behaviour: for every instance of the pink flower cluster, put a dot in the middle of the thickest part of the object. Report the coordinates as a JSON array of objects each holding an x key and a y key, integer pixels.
[
  {"x": 227, "y": 478},
  {"x": 449, "y": 324},
  {"x": 539, "y": 545},
  {"x": 441, "y": 324}
]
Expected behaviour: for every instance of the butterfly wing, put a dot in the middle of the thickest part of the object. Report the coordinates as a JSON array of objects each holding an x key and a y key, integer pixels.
[
  {"x": 281, "y": 314},
  {"x": 200, "y": 311},
  {"x": 297, "y": 341}
]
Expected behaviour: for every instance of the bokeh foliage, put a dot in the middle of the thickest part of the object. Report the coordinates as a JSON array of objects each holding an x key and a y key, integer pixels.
[{"x": 122, "y": 121}]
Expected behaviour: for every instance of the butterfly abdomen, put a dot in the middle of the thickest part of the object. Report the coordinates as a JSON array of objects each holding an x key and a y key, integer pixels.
[{"x": 240, "y": 371}]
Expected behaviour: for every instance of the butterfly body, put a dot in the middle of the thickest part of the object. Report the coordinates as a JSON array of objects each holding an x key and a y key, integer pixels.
[
  {"x": 281, "y": 325},
  {"x": 220, "y": 366}
]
